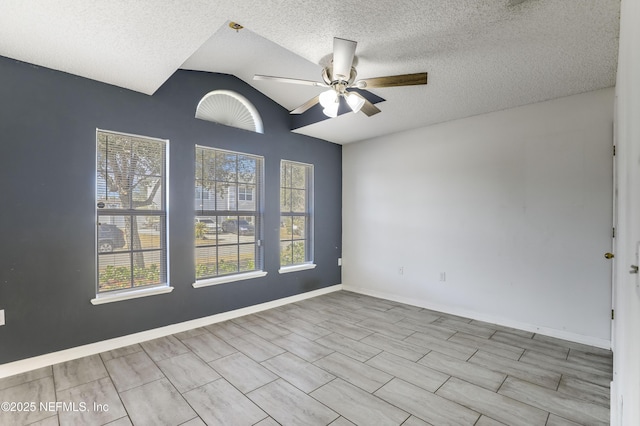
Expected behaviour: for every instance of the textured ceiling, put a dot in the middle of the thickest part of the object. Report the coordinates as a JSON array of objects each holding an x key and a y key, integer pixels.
[{"x": 481, "y": 55}]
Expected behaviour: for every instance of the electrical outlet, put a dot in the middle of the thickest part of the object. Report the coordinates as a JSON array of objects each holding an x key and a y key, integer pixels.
[
  {"x": 443, "y": 276},
  {"x": 401, "y": 270},
  {"x": 2, "y": 317}
]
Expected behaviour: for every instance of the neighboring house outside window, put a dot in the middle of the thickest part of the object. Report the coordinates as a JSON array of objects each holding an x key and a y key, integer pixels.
[
  {"x": 131, "y": 194},
  {"x": 202, "y": 195},
  {"x": 228, "y": 223},
  {"x": 245, "y": 193},
  {"x": 296, "y": 214}
]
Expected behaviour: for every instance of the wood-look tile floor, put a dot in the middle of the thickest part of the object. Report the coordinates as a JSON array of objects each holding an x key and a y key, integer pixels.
[{"x": 338, "y": 359}]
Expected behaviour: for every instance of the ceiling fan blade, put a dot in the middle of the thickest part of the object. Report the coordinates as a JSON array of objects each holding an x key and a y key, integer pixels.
[
  {"x": 368, "y": 108},
  {"x": 393, "y": 81},
  {"x": 289, "y": 80},
  {"x": 305, "y": 106},
  {"x": 343, "y": 53}
]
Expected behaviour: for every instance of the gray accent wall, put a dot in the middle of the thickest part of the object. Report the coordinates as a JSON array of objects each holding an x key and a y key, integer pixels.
[{"x": 48, "y": 121}]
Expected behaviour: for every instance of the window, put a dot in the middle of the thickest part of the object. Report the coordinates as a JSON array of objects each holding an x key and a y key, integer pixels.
[
  {"x": 296, "y": 213},
  {"x": 229, "y": 243},
  {"x": 131, "y": 212},
  {"x": 245, "y": 193},
  {"x": 201, "y": 195}
]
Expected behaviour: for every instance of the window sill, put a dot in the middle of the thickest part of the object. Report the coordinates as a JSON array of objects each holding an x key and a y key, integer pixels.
[
  {"x": 294, "y": 268},
  {"x": 229, "y": 279},
  {"x": 131, "y": 294}
]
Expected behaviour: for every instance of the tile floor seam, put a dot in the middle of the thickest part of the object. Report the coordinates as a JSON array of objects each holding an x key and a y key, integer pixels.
[
  {"x": 114, "y": 386},
  {"x": 466, "y": 406},
  {"x": 27, "y": 382},
  {"x": 559, "y": 381},
  {"x": 443, "y": 383},
  {"x": 189, "y": 403},
  {"x": 505, "y": 379},
  {"x": 320, "y": 402},
  {"x": 521, "y": 355},
  {"x": 453, "y": 335},
  {"x": 504, "y": 396},
  {"x": 391, "y": 403},
  {"x": 287, "y": 381},
  {"x": 471, "y": 356}
]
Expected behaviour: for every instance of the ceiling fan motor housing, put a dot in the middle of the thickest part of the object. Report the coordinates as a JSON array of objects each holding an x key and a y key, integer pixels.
[{"x": 327, "y": 76}]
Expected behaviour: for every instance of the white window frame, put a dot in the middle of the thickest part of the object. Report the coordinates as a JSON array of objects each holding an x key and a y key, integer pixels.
[
  {"x": 112, "y": 210},
  {"x": 308, "y": 214},
  {"x": 233, "y": 198}
]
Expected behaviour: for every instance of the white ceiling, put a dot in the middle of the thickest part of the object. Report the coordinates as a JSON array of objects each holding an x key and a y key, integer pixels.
[{"x": 481, "y": 55}]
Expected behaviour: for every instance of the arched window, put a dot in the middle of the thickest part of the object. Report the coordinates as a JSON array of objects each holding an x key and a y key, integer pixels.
[{"x": 231, "y": 109}]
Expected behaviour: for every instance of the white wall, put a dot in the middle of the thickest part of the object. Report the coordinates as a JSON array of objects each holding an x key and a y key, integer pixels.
[
  {"x": 514, "y": 206},
  {"x": 625, "y": 389}
]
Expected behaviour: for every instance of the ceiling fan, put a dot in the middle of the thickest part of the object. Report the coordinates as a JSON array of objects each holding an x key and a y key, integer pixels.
[{"x": 340, "y": 78}]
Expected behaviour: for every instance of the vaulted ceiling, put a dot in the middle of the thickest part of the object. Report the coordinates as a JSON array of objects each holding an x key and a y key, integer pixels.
[{"x": 481, "y": 55}]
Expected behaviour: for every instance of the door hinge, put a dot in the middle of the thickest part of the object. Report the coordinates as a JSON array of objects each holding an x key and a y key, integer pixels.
[
  {"x": 614, "y": 150},
  {"x": 612, "y": 314},
  {"x": 613, "y": 235}
]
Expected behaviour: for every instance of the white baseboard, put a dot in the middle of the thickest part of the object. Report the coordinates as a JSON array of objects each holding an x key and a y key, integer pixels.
[
  {"x": 29, "y": 364},
  {"x": 551, "y": 332}
]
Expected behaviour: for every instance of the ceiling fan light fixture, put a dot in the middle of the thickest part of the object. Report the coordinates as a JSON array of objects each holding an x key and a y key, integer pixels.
[
  {"x": 332, "y": 110},
  {"x": 355, "y": 102},
  {"x": 328, "y": 98}
]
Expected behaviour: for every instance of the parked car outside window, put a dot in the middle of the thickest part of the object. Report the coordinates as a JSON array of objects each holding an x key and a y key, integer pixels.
[
  {"x": 210, "y": 225},
  {"x": 110, "y": 237},
  {"x": 241, "y": 227}
]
